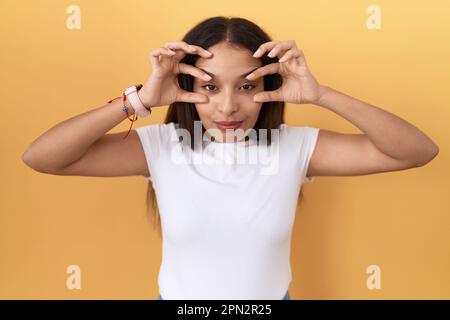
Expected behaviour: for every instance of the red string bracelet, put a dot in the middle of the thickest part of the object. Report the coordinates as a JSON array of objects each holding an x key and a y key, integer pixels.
[{"x": 125, "y": 109}]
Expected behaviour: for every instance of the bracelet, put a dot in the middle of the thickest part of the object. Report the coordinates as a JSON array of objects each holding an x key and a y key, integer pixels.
[{"x": 125, "y": 110}]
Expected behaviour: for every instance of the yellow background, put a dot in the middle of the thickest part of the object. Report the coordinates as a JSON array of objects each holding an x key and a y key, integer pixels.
[{"x": 398, "y": 220}]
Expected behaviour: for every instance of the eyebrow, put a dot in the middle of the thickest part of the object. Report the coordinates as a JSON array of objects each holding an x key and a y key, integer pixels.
[{"x": 240, "y": 77}]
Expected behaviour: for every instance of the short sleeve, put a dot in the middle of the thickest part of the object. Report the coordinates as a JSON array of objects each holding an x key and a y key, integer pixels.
[
  {"x": 309, "y": 140},
  {"x": 151, "y": 137},
  {"x": 304, "y": 139}
]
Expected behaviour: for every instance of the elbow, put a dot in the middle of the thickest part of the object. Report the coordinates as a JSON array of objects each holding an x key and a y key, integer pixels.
[
  {"x": 27, "y": 159},
  {"x": 36, "y": 165},
  {"x": 429, "y": 155}
]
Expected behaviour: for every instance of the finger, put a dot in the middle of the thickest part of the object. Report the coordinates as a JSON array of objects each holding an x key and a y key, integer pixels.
[
  {"x": 267, "y": 96},
  {"x": 154, "y": 54},
  {"x": 302, "y": 59},
  {"x": 281, "y": 48},
  {"x": 267, "y": 69},
  {"x": 162, "y": 51},
  {"x": 191, "y": 97},
  {"x": 191, "y": 49},
  {"x": 291, "y": 54},
  {"x": 300, "y": 56},
  {"x": 202, "y": 52},
  {"x": 178, "y": 45},
  {"x": 268, "y": 46},
  {"x": 264, "y": 47},
  {"x": 193, "y": 71}
]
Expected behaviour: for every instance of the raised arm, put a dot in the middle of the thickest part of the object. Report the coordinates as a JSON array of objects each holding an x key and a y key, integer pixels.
[
  {"x": 388, "y": 143},
  {"x": 80, "y": 145},
  {"x": 70, "y": 140}
]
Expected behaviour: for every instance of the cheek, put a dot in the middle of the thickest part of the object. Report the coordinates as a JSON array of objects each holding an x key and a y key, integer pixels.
[
  {"x": 250, "y": 107},
  {"x": 204, "y": 111}
]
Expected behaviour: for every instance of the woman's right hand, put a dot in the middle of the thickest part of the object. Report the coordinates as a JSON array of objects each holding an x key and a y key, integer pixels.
[{"x": 162, "y": 88}]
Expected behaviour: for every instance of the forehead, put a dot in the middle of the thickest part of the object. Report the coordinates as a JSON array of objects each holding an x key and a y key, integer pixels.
[{"x": 228, "y": 62}]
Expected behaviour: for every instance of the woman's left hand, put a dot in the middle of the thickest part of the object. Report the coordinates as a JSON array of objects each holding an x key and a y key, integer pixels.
[{"x": 299, "y": 85}]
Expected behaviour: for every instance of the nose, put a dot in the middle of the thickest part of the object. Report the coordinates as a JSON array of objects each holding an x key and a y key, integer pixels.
[{"x": 228, "y": 105}]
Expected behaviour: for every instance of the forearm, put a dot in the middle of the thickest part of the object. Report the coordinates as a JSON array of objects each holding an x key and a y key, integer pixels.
[
  {"x": 69, "y": 140},
  {"x": 392, "y": 135}
]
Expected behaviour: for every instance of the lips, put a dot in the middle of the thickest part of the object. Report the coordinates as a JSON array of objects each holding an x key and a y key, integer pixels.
[{"x": 228, "y": 124}]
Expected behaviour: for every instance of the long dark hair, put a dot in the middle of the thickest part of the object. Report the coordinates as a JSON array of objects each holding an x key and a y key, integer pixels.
[{"x": 237, "y": 32}]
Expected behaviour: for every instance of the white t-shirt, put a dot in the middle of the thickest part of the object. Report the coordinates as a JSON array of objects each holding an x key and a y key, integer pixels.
[{"x": 226, "y": 226}]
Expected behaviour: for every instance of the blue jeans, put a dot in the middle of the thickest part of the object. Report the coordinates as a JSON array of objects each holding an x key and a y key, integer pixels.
[{"x": 286, "y": 297}]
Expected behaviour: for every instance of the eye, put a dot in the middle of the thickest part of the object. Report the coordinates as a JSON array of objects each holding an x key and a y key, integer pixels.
[
  {"x": 208, "y": 85},
  {"x": 245, "y": 85},
  {"x": 251, "y": 85}
]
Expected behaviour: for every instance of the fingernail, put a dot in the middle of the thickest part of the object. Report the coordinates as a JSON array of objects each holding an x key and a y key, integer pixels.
[
  {"x": 207, "y": 76},
  {"x": 249, "y": 76}
]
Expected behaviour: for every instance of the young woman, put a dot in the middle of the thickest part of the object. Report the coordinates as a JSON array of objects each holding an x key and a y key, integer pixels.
[{"x": 227, "y": 228}]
